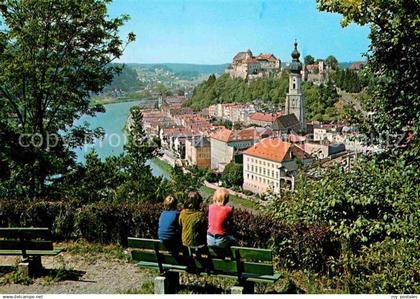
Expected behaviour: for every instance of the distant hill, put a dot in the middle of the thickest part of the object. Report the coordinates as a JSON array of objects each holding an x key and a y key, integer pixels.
[{"x": 186, "y": 70}]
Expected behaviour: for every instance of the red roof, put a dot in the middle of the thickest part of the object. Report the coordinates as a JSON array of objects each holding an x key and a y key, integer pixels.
[
  {"x": 270, "y": 149},
  {"x": 269, "y": 57},
  {"x": 227, "y": 135},
  {"x": 274, "y": 149},
  {"x": 267, "y": 117},
  {"x": 312, "y": 67}
]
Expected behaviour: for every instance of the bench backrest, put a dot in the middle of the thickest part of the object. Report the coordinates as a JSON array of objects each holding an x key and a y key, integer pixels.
[
  {"x": 238, "y": 261},
  {"x": 25, "y": 238}
]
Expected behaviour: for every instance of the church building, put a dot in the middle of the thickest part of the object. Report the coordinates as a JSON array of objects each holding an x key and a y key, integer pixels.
[{"x": 294, "y": 98}]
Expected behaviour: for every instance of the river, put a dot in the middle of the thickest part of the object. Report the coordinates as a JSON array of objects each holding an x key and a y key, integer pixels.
[{"x": 113, "y": 122}]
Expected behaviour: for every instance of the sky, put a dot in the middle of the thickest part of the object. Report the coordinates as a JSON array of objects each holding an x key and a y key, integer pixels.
[{"x": 213, "y": 31}]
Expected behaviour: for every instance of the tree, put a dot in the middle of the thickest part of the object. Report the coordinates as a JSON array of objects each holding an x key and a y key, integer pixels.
[
  {"x": 309, "y": 60},
  {"x": 53, "y": 56},
  {"x": 332, "y": 62},
  {"x": 393, "y": 64},
  {"x": 140, "y": 185},
  {"x": 233, "y": 175}
]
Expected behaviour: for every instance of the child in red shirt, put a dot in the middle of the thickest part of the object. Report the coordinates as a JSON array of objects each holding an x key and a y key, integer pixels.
[{"x": 220, "y": 221}]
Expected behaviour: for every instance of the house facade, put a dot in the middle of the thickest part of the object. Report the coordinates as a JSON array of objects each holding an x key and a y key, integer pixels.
[
  {"x": 224, "y": 143},
  {"x": 197, "y": 151},
  {"x": 266, "y": 163}
]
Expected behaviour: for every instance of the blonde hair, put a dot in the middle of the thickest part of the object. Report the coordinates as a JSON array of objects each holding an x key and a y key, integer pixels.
[
  {"x": 221, "y": 197},
  {"x": 169, "y": 203}
]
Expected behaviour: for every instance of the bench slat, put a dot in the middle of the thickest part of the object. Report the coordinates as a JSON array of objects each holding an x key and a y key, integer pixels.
[
  {"x": 253, "y": 254},
  {"x": 25, "y": 232},
  {"x": 55, "y": 251},
  {"x": 151, "y": 257},
  {"x": 26, "y": 244},
  {"x": 145, "y": 243},
  {"x": 263, "y": 278},
  {"x": 257, "y": 269}
]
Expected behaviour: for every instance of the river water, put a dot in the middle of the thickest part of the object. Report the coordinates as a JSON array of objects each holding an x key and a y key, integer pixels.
[{"x": 113, "y": 122}]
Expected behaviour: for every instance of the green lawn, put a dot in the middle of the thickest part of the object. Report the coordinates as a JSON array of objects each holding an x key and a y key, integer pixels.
[{"x": 236, "y": 201}]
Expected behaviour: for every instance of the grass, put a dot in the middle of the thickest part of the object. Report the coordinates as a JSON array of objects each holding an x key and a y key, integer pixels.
[
  {"x": 91, "y": 251},
  {"x": 165, "y": 166}
]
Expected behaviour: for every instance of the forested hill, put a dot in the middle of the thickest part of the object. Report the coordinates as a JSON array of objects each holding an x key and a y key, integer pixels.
[
  {"x": 126, "y": 81},
  {"x": 185, "y": 70},
  {"x": 227, "y": 90},
  {"x": 320, "y": 101}
]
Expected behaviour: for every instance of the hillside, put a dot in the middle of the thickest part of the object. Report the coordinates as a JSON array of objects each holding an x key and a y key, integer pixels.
[
  {"x": 184, "y": 71},
  {"x": 319, "y": 100}
]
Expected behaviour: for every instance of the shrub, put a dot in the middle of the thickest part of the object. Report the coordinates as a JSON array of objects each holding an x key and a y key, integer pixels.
[
  {"x": 390, "y": 266},
  {"x": 299, "y": 246}
]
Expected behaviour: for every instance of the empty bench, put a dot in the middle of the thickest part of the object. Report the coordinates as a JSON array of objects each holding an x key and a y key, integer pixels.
[
  {"x": 29, "y": 242},
  {"x": 247, "y": 265}
]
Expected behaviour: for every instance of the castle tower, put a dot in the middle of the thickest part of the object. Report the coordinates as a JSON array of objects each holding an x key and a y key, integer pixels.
[{"x": 294, "y": 98}]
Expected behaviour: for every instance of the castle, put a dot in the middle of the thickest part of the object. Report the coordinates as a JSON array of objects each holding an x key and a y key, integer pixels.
[{"x": 248, "y": 67}]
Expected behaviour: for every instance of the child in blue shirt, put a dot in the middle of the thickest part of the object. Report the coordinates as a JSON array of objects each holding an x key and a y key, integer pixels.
[{"x": 169, "y": 230}]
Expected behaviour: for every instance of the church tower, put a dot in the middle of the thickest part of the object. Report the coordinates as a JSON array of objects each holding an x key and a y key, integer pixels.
[{"x": 294, "y": 98}]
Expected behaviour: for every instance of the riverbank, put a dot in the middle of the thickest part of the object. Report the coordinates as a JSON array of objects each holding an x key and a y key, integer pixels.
[{"x": 105, "y": 100}]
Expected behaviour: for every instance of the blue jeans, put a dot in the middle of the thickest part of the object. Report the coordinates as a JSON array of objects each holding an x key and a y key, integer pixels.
[{"x": 221, "y": 241}]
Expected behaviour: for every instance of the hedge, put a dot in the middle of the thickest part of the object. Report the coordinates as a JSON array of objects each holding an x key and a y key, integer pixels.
[{"x": 295, "y": 246}]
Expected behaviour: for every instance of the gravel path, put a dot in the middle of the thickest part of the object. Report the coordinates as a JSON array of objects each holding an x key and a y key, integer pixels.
[{"x": 99, "y": 275}]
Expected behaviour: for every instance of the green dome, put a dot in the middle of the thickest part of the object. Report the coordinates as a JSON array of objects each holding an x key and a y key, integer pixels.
[{"x": 296, "y": 65}]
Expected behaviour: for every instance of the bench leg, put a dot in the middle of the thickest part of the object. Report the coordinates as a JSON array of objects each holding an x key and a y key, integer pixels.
[
  {"x": 246, "y": 287},
  {"x": 167, "y": 283},
  {"x": 30, "y": 266}
]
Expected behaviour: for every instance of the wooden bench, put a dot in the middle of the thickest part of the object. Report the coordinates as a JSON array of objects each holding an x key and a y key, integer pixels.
[
  {"x": 29, "y": 242},
  {"x": 247, "y": 265}
]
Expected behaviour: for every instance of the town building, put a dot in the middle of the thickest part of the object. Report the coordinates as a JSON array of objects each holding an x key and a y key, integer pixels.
[
  {"x": 248, "y": 67},
  {"x": 316, "y": 73},
  {"x": 268, "y": 164},
  {"x": 328, "y": 132},
  {"x": 225, "y": 143},
  {"x": 232, "y": 112},
  {"x": 263, "y": 119},
  {"x": 285, "y": 124},
  {"x": 197, "y": 151},
  {"x": 357, "y": 66},
  {"x": 322, "y": 150},
  {"x": 294, "y": 98}
]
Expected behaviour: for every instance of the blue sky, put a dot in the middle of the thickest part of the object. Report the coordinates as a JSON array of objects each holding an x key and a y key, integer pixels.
[{"x": 213, "y": 31}]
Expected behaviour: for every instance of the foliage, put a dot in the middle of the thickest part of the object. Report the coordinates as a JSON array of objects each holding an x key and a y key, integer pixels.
[
  {"x": 376, "y": 200},
  {"x": 53, "y": 56},
  {"x": 331, "y": 62},
  {"x": 232, "y": 175},
  {"x": 226, "y": 90},
  {"x": 182, "y": 182},
  {"x": 309, "y": 60},
  {"x": 299, "y": 246},
  {"x": 389, "y": 267},
  {"x": 320, "y": 101},
  {"x": 126, "y": 81},
  {"x": 349, "y": 80},
  {"x": 393, "y": 61}
]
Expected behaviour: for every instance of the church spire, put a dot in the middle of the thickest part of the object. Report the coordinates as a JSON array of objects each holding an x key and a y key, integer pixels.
[{"x": 296, "y": 65}]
